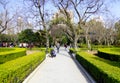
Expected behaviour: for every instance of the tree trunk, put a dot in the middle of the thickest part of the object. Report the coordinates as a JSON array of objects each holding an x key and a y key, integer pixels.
[
  {"x": 87, "y": 40},
  {"x": 88, "y": 43},
  {"x": 75, "y": 42}
]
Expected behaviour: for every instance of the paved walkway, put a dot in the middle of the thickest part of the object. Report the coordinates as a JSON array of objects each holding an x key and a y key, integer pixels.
[{"x": 61, "y": 69}]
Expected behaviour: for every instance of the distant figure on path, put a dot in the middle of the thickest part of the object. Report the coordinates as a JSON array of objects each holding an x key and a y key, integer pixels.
[
  {"x": 53, "y": 54},
  {"x": 65, "y": 46},
  {"x": 57, "y": 46}
]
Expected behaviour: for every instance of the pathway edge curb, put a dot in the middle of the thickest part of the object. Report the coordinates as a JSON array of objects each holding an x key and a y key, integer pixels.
[{"x": 32, "y": 73}]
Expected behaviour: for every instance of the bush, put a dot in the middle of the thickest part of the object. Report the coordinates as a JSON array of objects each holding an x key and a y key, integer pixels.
[
  {"x": 104, "y": 71},
  {"x": 11, "y": 53},
  {"x": 42, "y": 49},
  {"x": 112, "y": 54},
  {"x": 39, "y": 49},
  {"x": 6, "y": 49},
  {"x": 72, "y": 50},
  {"x": 16, "y": 70}
]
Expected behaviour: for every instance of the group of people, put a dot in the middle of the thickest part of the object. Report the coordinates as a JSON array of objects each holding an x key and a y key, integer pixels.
[{"x": 53, "y": 53}]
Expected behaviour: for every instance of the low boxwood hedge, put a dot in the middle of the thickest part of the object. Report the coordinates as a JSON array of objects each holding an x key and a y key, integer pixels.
[
  {"x": 11, "y": 54},
  {"x": 41, "y": 49},
  {"x": 73, "y": 50},
  {"x": 3, "y": 49},
  {"x": 112, "y": 54},
  {"x": 99, "y": 68},
  {"x": 15, "y": 71}
]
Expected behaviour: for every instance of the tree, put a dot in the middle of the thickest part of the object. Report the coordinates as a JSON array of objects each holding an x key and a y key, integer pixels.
[
  {"x": 4, "y": 16},
  {"x": 40, "y": 38},
  {"x": 83, "y": 9},
  {"x": 40, "y": 7},
  {"x": 26, "y": 36},
  {"x": 96, "y": 31},
  {"x": 117, "y": 29}
]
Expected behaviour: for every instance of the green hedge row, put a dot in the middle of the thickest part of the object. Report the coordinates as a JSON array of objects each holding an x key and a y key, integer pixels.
[
  {"x": 41, "y": 49},
  {"x": 3, "y": 49},
  {"x": 112, "y": 54},
  {"x": 12, "y": 54},
  {"x": 72, "y": 50},
  {"x": 95, "y": 46},
  {"x": 17, "y": 70},
  {"x": 103, "y": 71}
]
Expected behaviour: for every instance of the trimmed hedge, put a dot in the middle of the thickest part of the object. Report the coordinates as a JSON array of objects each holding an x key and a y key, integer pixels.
[
  {"x": 13, "y": 53},
  {"x": 100, "y": 69},
  {"x": 72, "y": 50},
  {"x": 112, "y": 54},
  {"x": 3, "y": 49},
  {"x": 41, "y": 49},
  {"x": 17, "y": 70}
]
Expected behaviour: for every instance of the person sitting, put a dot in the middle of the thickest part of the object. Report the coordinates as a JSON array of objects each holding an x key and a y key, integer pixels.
[{"x": 53, "y": 54}]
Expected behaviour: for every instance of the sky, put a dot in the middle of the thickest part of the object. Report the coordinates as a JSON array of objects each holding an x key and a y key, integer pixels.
[
  {"x": 115, "y": 8},
  {"x": 18, "y": 4}
]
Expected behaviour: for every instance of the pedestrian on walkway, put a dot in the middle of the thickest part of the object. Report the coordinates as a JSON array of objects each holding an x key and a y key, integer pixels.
[
  {"x": 65, "y": 45},
  {"x": 58, "y": 47}
]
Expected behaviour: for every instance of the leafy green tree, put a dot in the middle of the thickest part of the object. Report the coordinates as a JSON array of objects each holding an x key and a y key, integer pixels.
[
  {"x": 40, "y": 38},
  {"x": 27, "y": 36},
  {"x": 7, "y": 38}
]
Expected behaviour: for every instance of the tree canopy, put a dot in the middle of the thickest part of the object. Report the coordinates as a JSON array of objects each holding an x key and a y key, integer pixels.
[{"x": 26, "y": 36}]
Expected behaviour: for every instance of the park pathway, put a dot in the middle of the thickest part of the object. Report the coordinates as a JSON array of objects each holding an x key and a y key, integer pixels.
[{"x": 61, "y": 69}]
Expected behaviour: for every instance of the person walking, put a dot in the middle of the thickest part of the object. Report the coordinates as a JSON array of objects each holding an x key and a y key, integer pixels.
[
  {"x": 57, "y": 46},
  {"x": 65, "y": 46}
]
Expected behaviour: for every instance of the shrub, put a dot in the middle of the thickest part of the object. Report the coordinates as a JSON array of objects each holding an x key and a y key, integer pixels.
[
  {"x": 99, "y": 68},
  {"x": 16, "y": 70},
  {"x": 13, "y": 54},
  {"x": 42, "y": 49},
  {"x": 71, "y": 50},
  {"x": 6, "y": 49},
  {"x": 112, "y": 54}
]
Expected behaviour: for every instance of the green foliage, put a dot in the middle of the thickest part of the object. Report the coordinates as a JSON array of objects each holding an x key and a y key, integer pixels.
[
  {"x": 104, "y": 71},
  {"x": 8, "y": 38},
  {"x": 15, "y": 71},
  {"x": 6, "y": 49},
  {"x": 27, "y": 36},
  {"x": 117, "y": 28},
  {"x": 41, "y": 38},
  {"x": 95, "y": 47},
  {"x": 110, "y": 53},
  {"x": 59, "y": 20},
  {"x": 39, "y": 49},
  {"x": 72, "y": 50},
  {"x": 11, "y": 53}
]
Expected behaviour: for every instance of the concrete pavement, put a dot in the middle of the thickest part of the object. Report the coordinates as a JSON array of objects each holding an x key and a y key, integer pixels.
[{"x": 61, "y": 69}]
